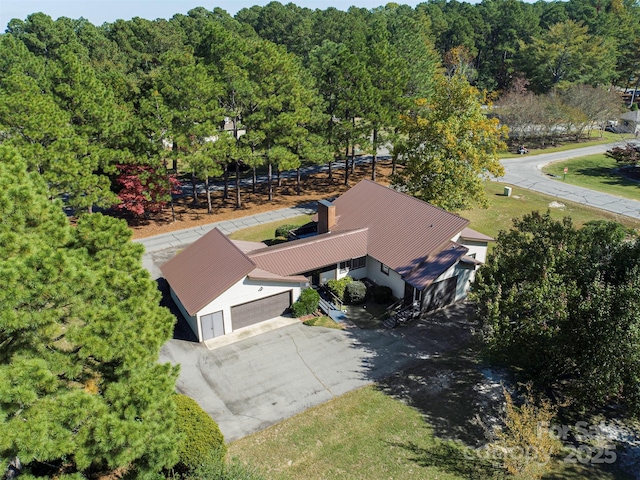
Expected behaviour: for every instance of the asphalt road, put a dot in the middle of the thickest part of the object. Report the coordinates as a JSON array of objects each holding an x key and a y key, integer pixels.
[{"x": 525, "y": 171}]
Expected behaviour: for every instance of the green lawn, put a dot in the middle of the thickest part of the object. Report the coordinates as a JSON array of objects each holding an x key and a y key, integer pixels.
[
  {"x": 323, "y": 321},
  {"x": 595, "y": 139},
  {"x": 267, "y": 232},
  {"x": 502, "y": 209},
  {"x": 595, "y": 172},
  {"x": 366, "y": 434}
]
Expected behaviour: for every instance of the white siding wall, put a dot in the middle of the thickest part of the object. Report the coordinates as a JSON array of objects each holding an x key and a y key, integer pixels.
[
  {"x": 356, "y": 274},
  {"x": 244, "y": 291},
  {"x": 465, "y": 277},
  {"x": 191, "y": 320},
  {"x": 479, "y": 248},
  {"x": 330, "y": 275},
  {"x": 393, "y": 280}
]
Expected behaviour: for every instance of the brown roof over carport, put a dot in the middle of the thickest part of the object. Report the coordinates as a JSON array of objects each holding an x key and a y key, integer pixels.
[
  {"x": 425, "y": 274},
  {"x": 206, "y": 269}
]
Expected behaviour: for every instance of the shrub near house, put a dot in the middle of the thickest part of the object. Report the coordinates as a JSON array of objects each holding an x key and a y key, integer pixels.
[
  {"x": 337, "y": 287},
  {"x": 307, "y": 303},
  {"x": 355, "y": 292}
]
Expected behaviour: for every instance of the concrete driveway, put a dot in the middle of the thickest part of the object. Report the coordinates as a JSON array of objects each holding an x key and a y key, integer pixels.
[{"x": 263, "y": 380}]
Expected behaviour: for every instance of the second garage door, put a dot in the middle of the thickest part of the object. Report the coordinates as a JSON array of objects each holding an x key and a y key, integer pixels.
[{"x": 257, "y": 311}]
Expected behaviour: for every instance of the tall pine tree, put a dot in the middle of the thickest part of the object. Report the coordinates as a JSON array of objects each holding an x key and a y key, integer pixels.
[{"x": 80, "y": 331}]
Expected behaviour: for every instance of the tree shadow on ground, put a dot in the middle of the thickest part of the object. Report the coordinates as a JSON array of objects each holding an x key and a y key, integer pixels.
[
  {"x": 610, "y": 176},
  {"x": 454, "y": 458},
  {"x": 459, "y": 396}
]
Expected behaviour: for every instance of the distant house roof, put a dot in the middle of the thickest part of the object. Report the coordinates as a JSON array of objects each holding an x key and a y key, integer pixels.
[
  {"x": 403, "y": 230},
  {"x": 206, "y": 269},
  {"x": 307, "y": 254}
]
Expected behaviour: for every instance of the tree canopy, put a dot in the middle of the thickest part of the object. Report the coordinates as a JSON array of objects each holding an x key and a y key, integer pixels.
[
  {"x": 76, "y": 394},
  {"x": 560, "y": 303},
  {"x": 451, "y": 146},
  {"x": 290, "y": 85}
]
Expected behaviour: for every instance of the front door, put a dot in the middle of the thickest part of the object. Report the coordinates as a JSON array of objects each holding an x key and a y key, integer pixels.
[
  {"x": 408, "y": 294},
  {"x": 212, "y": 325}
]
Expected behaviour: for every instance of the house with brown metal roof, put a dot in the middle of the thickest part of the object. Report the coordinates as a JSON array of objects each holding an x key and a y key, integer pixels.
[{"x": 426, "y": 255}]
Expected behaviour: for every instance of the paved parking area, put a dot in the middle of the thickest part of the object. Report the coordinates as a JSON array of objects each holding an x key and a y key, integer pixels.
[{"x": 263, "y": 380}]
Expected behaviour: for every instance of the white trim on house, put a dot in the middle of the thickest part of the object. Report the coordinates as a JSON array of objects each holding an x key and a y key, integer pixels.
[{"x": 243, "y": 291}]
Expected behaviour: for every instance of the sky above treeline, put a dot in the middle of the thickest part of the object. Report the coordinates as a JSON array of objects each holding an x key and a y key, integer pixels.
[{"x": 98, "y": 12}]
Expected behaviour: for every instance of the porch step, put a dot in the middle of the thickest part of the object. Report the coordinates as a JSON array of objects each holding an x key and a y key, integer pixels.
[{"x": 390, "y": 323}]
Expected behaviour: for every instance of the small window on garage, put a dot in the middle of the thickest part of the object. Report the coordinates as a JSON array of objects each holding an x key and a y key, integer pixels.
[{"x": 384, "y": 269}]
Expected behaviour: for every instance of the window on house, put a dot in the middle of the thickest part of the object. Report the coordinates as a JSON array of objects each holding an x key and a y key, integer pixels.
[
  {"x": 384, "y": 269},
  {"x": 344, "y": 267},
  {"x": 359, "y": 262}
]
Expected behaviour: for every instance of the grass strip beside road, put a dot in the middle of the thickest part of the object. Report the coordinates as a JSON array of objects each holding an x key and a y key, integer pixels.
[
  {"x": 596, "y": 172},
  {"x": 503, "y": 209},
  {"x": 594, "y": 139}
]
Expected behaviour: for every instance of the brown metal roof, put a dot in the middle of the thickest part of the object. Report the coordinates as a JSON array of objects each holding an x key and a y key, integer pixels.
[
  {"x": 246, "y": 246},
  {"x": 258, "y": 274},
  {"x": 307, "y": 254},
  {"x": 426, "y": 273},
  {"x": 403, "y": 230},
  {"x": 470, "y": 234},
  {"x": 205, "y": 269}
]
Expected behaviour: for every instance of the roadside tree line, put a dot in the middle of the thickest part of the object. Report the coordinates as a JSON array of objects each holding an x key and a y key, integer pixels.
[{"x": 108, "y": 114}]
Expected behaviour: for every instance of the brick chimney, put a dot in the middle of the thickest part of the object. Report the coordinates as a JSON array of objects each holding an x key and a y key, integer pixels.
[{"x": 326, "y": 216}]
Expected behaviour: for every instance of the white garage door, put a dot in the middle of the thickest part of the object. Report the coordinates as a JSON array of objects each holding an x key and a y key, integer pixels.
[{"x": 258, "y": 311}]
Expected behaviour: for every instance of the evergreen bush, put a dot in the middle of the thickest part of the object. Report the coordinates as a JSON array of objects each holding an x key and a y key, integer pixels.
[
  {"x": 307, "y": 303},
  {"x": 283, "y": 230},
  {"x": 201, "y": 438},
  {"x": 355, "y": 292}
]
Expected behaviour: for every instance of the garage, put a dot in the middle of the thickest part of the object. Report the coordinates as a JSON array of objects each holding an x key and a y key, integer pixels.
[{"x": 258, "y": 311}]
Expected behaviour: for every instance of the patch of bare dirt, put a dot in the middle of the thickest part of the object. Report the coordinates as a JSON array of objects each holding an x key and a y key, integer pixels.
[{"x": 314, "y": 187}]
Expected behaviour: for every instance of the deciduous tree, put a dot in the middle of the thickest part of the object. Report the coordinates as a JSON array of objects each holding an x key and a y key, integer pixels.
[
  {"x": 560, "y": 303},
  {"x": 451, "y": 146}
]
